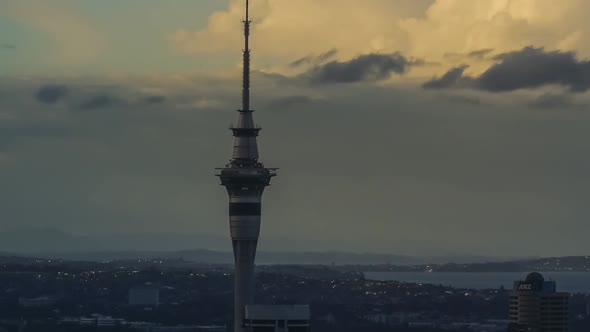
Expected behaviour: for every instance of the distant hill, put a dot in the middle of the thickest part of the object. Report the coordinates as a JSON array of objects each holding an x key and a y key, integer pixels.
[
  {"x": 201, "y": 248},
  {"x": 553, "y": 264},
  {"x": 226, "y": 257}
]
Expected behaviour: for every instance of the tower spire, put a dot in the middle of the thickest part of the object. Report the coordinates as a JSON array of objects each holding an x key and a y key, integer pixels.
[{"x": 246, "y": 79}]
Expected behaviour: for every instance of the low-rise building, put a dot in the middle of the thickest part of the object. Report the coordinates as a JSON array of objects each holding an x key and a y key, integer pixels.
[{"x": 277, "y": 318}]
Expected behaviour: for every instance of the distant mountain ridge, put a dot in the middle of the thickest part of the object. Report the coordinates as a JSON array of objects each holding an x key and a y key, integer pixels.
[
  {"x": 52, "y": 243},
  {"x": 223, "y": 257},
  {"x": 546, "y": 264}
]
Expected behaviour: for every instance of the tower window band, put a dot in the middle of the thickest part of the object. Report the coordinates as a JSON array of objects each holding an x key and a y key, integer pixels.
[{"x": 245, "y": 209}]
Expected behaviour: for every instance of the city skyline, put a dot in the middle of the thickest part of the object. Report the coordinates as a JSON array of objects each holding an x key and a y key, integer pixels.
[{"x": 435, "y": 127}]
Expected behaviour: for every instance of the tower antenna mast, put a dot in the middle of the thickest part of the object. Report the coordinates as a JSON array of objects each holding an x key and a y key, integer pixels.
[{"x": 246, "y": 79}]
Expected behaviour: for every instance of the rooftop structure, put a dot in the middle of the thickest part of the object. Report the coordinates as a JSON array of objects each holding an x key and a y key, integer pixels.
[
  {"x": 536, "y": 306},
  {"x": 277, "y": 318}
]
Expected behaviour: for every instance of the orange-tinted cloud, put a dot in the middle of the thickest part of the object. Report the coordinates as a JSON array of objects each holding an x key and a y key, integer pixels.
[{"x": 287, "y": 30}]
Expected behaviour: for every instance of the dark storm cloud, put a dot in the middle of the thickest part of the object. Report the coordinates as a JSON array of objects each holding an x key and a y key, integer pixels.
[
  {"x": 480, "y": 53},
  {"x": 100, "y": 102},
  {"x": 288, "y": 102},
  {"x": 328, "y": 55},
  {"x": 51, "y": 94},
  {"x": 314, "y": 60},
  {"x": 528, "y": 68},
  {"x": 301, "y": 61},
  {"x": 477, "y": 54},
  {"x": 365, "y": 68},
  {"x": 535, "y": 67},
  {"x": 90, "y": 99},
  {"x": 452, "y": 78},
  {"x": 154, "y": 99},
  {"x": 422, "y": 62}
]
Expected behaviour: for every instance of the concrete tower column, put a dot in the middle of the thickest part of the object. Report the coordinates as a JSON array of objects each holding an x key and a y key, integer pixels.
[{"x": 245, "y": 179}]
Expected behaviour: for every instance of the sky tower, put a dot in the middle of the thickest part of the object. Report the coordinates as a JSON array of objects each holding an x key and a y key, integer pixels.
[{"x": 245, "y": 178}]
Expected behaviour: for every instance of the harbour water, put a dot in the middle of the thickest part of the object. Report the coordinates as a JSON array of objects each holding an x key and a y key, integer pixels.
[{"x": 572, "y": 282}]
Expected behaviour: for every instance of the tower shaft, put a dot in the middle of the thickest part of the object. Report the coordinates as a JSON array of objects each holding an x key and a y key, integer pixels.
[
  {"x": 244, "y": 255},
  {"x": 245, "y": 179}
]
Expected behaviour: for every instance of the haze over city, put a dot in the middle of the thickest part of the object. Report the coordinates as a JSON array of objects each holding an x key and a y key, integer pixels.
[{"x": 411, "y": 127}]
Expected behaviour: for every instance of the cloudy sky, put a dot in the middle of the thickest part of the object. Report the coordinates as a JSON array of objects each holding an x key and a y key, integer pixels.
[{"x": 400, "y": 126}]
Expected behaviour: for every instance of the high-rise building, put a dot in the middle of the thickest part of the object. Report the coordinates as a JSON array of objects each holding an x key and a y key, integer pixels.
[
  {"x": 277, "y": 318},
  {"x": 245, "y": 179},
  {"x": 536, "y": 306}
]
